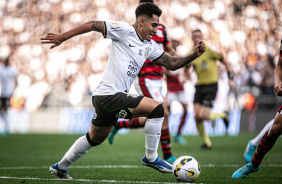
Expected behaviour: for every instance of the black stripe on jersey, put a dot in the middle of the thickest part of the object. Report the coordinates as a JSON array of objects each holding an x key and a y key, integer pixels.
[
  {"x": 138, "y": 35},
  {"x": 105, "y": 29},
  {"x": 151, "y": 74},
  {"x": 159, "y": 57}
]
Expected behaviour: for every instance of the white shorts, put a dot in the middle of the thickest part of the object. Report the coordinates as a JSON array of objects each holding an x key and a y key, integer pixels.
[
  {"x": 151, "y": 88},
  {"x": 179, "y": 96}
]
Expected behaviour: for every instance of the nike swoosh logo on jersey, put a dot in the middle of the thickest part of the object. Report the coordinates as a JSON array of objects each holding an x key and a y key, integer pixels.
[{"x": 131, "y": 45}]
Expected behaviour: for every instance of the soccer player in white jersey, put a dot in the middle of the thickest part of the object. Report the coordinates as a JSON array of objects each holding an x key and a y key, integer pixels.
[{"x": 131, "y": 46}]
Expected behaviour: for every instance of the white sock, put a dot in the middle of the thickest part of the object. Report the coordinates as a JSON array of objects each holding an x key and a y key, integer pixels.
[
  {"x": 152, "y": 137},
  {"x": 255, "y": 142},
  {"x": 78, "y": 149}
]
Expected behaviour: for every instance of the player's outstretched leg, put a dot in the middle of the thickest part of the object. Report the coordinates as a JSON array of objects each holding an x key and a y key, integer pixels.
[
  {"x": 249, "y": 152},
  {"x": 152, "y": 129},
  {"x": 159, "y": 164},
  {"x": 55, "y": 170},
  {"x": 245, "y": 171}
]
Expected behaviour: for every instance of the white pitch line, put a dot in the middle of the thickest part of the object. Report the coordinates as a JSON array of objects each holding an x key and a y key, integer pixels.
[
  {"x": 85, "y": 180},
  {"x": 132, "y": 166}
]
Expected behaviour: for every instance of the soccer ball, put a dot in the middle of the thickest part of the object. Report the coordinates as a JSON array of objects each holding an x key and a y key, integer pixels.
[{"x": 186, "y": 169}]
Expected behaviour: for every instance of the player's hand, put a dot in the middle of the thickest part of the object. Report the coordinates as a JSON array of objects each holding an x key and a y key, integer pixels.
[
  {"x": 53, "y": 38},
  {"x": 200, "y": 48},
  {"x": 278, "y": 88}
]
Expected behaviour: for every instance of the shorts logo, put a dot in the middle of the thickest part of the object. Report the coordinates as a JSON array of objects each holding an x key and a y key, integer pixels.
[
  {"x": 95, "y": 116},
  {"x": 122, "y": 114}
]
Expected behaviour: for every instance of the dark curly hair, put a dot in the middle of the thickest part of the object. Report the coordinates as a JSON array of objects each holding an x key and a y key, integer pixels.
[
  {"x": 146, "y": 1},
  {"x": 148, "y": 9}
]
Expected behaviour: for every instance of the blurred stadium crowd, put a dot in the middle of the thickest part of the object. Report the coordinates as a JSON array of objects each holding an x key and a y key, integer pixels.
[{"x": 248, "y": 32}]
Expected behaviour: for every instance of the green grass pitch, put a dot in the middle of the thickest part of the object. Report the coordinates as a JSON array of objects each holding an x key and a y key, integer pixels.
[{"x": 27, "y": 158}]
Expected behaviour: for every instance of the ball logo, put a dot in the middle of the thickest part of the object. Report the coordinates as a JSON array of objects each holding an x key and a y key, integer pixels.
[
  {"x": 122, "y": 114},
  {"x": 190, "y": 173},
  {"x": 181, "y": 163}
]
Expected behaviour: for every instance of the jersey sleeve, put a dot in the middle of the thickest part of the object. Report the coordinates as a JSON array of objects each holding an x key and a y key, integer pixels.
[
  {"x": 281, "y": 48},
  {"x": 116, "y": 30},
  {"x": 156, "y": 52}
]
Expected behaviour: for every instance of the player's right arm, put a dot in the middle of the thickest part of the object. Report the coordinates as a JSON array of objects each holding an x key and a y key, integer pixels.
[
  {"x": 278, "y": 77},
  {"x": 57, "y": 38}
]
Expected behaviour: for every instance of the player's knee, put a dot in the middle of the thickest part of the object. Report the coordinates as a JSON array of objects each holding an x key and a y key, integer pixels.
[
  {"x": 92, "y": 141},
  {"x": 197, "y": 117},
  {"x": 158, "y": 112}
]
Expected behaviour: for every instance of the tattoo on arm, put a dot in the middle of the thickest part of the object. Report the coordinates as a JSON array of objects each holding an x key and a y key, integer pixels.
[
  {"x": 174, "y": 62},
  {"x": 98, "y": 26}
]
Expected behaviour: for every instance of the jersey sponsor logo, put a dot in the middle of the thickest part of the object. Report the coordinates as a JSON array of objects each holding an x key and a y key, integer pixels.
[
  {"x": 148, "y": 49},
  {"x": 140, "y": 52},
  {"x": 122, "y": 114},
  {"x": 133, "y": 69}
]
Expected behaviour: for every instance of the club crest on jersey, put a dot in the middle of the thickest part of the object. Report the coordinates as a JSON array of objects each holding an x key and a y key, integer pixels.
[
  {"x": 148, "y": 49},
  {"x": 114, "y": 24},
  {"x": 122, "y": 114}
]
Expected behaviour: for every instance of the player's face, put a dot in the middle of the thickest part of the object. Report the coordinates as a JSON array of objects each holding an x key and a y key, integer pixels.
[
  {"x": 196, "y": 37},
  {"x": 150, "y": 27}
]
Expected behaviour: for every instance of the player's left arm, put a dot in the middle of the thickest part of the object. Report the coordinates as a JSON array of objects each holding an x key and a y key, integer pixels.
[{"x": 176, "y": 62}]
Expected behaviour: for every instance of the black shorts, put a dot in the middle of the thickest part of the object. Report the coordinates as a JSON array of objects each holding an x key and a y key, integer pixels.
[
  {"x": 109, "y": 108},
  {"x": 4, "y": 104},
  {"x": 205, "y": 94}
]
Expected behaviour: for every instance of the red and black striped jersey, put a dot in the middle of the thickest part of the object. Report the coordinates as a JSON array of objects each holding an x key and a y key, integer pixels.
[
  {"x": 173, "y": 84},
  {"x": 281, "y": 48},
  {"x": 150, "y": 69}
]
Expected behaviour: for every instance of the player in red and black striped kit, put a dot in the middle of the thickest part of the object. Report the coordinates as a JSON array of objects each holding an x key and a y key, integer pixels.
[
  {"x": 149, "y": 84},
  {"x": 270, "y": 136}
]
